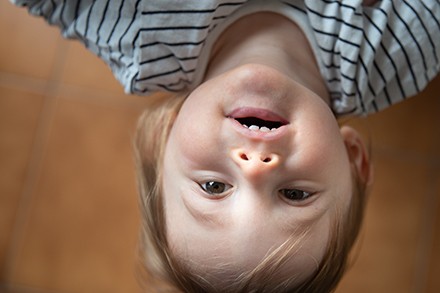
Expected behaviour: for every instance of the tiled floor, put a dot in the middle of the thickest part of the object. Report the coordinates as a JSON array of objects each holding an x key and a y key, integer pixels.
[{"x": 68, "y": 210}]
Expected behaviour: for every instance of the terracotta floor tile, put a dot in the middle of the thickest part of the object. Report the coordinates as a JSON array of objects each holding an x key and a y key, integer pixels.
[
  {"x": 82, "y": 68},
  {"x": 391, "y": 234},
  {"x": 28, "y": 44},
  {"x": 434, "y": 265},
  {"x": 412, "y": 125},
  {"x": 83, "y": 228},
  {"x": 19, "y": 113}
]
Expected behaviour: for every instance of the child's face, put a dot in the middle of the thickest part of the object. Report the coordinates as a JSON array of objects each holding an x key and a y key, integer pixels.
[{"x": 232, "y": 194}]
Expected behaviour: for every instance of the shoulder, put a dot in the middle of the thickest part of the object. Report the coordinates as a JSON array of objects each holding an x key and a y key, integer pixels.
[{"x": 373, "y": 57}]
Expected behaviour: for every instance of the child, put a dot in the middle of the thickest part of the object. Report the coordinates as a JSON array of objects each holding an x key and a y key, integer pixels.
[{"x": 247, "y": 182}]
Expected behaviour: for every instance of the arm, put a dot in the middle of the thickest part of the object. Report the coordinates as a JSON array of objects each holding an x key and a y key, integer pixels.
[{"x": 375, "y": 56}]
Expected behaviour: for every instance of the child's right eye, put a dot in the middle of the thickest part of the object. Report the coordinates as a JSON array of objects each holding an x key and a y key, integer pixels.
[{"x": 215, "y": 187}]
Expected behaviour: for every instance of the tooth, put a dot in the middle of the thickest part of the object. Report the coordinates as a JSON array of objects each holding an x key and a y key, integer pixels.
[
  {"x": 245, "y": 126},
  {"x": 273, "y": 129},
  {"x": 264, "y": 129},
  {"x": 254, "y": 127}
]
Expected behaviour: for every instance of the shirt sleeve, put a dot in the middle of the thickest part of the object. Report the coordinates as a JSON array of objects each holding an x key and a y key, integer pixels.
[
  {"x": 150, "y": 45},
  {"x": 373, "y": 57},
  {"x": 104, "y": 27}
]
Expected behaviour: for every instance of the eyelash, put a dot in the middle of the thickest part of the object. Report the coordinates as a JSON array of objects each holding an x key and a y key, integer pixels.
[{"x": 286, "y": 193}]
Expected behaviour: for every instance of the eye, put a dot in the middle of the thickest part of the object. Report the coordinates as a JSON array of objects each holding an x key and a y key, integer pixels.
[
  {"x": 215, "y": 187},
  {"x": 295, "y": 194}
]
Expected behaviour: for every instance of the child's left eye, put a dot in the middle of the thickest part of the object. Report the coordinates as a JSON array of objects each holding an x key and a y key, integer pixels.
[
  {"x": 215, "y": 187},
  {"x": 295, "y": 194}
]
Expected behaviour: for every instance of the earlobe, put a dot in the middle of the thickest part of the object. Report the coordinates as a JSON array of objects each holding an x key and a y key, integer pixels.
[{"x": 358, "y": 154}]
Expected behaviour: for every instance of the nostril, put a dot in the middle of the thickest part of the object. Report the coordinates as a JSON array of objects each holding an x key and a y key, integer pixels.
[
  {"x": 267, "y": 160},
  {"x": 244, "y": 157}
]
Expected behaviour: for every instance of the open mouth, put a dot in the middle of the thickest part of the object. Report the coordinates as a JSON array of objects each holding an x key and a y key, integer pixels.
[
  {"x": 257, "y": 124},
  {"x": 256, "y": 119}
]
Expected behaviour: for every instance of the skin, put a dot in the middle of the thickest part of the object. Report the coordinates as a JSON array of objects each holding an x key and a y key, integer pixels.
[{"x": 309, "y": 155}]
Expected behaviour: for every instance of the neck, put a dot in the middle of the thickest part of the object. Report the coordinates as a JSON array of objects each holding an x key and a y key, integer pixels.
[{"x": 272, "y": 40}]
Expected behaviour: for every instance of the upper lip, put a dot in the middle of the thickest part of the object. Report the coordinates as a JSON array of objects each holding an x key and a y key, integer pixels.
[{"x": 263, "y": 114}]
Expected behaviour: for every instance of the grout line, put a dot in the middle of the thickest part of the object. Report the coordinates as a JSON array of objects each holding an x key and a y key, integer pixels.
[
  {"x": 23, "y": 82},
  {"x": 107, "y": 99},
  {"x": 425, "y": 246},
  {"x": 74, "y": 92},
  {"x": 27, "y": 194},
  {"x": 18, "y": 288}
]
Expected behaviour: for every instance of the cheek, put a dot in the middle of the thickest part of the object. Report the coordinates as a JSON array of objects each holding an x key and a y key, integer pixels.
[
  {"x": 198, "y": 142},
  {"x": 318, "y": 156},
  {"x": 319, "y": 143},
  {"x": 195, "y": 145}
]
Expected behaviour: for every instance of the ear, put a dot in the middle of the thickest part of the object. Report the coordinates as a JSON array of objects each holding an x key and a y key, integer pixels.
[{"x": 357, "y": 153}]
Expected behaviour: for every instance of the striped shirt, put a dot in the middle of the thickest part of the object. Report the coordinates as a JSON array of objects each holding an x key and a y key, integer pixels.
[{"x": 370, "y": 57}]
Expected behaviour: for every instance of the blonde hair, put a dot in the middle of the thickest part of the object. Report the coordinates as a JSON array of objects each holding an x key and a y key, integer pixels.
[{"x": 164, "y": 272}]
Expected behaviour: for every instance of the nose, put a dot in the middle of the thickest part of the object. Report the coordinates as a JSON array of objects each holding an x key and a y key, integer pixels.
[{"x": 255, "y": 163}]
